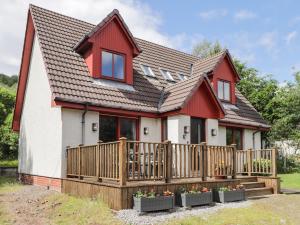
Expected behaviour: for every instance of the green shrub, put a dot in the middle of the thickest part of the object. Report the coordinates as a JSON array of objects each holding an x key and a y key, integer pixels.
[{"x": 289, "y": 164}]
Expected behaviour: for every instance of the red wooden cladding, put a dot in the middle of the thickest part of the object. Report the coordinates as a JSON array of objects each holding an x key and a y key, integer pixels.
[{"x": 203, "y": 104}]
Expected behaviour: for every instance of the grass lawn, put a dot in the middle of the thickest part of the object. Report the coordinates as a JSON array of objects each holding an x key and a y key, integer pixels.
[
  {"x": 290, "y": 181},
  {"x": 57, "y": 208},
  {"x": 8, "y": 163}
]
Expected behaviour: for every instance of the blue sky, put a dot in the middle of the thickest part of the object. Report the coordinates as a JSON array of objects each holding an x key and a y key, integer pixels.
[{"x": 265, "y": 34}]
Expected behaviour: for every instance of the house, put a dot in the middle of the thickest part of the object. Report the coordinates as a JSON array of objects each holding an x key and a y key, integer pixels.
[{"x": 80, "y": 83}]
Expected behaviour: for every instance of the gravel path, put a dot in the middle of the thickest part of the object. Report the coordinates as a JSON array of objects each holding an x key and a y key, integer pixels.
[
  {"x": 28, "y": 205},
  {"x": 131, "y": 216}
]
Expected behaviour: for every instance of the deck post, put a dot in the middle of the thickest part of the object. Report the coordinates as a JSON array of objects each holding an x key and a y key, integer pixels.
[
  {"x": 249, "y": 161},
  {"x": 98, "y": 159},
  {"x": 123, "y": 161},
  {"x": 205, "y": 162},
  {"x": 168, "y": 161},
  {"x": 68, "y": 162},
  {"x": 79, "y": 160},
  {"x": 274, "y": 168},
  {"x": 234, "y": 161}
]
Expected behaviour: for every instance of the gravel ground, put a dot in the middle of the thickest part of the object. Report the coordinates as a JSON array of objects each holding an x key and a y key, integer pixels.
[
  {"x": 130, "y": 216},
  {"x": 28, "y": 205}
]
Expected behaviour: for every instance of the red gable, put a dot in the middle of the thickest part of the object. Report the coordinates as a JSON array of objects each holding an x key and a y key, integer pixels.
[
  {"x": 204, "y": 103},
  {"x": 111, "y": 35}
]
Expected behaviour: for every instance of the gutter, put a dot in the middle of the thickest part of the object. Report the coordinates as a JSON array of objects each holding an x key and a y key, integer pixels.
[{"x": 83, "y": 123}]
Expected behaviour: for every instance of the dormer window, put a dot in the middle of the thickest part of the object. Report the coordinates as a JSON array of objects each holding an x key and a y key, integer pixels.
[
  {"x": 182, "y": 76},
  {"x": 112, "y": 65},
  {"x": 167, "y": 75},
  {"x": 147, "y": 71},
  {"x": 224, "y": 90}
]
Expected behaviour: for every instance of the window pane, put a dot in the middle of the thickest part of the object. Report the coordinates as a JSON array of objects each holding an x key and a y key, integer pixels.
[
  {"x": 229, "y": 135},
  {"x": 147, "y": 70},
  {"x": 226, "y": 91},
  {"x": 167, "y": 75},
  {"x": 107, "y": 128},
  {"x": 118, "y": 66},
  {"x": 220, "y": 90},
  {"x": 106, "y": 64},
  {"x": 238, "y": 139},
  {"x": 182, "y": 77},
  {"x": 127, "y": 129}
]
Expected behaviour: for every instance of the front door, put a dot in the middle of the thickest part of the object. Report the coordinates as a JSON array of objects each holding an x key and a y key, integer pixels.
[{"x": 197, "y": 130}]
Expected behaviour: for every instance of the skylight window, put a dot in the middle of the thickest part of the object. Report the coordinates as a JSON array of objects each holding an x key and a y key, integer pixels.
[
  {"x": 166, "y": 74},
  {"x": 147, "y": 71},
  {"x": 182, "y": 77}
]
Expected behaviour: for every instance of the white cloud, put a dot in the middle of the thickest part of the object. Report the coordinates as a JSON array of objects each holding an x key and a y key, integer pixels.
[
  {"x": 244, "y": 15},
  {"x": 142, "y": 20},
  {"x": 213, "y": 14},
  {"x": 268, "y": 40},
  {"x": 290, "y": 37}
]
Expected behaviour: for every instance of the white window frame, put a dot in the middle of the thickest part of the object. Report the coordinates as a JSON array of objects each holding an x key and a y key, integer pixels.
[
  {"x": 180, "y": 75},
  {"x": 145, "y": 73},
  {"x": 223, "y": 94},
  {"x": 169, "y": 75}
]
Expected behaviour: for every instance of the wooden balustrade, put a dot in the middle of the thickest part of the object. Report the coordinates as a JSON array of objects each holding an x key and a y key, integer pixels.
[
  {"x": 256, "y": 162},
  {"x": 124, "y": 161},
  {"x": 189, "y": 160},
  {"x": 146, "y": 161}
]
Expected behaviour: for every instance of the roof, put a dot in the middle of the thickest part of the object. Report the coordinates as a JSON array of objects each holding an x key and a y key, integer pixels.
[
  {"x": 176, "y": 96},
  {"x": 70, "y": 80},
  {"x": 209, "y": 64}
]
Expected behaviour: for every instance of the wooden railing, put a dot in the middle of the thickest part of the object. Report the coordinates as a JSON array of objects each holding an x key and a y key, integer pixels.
[
  {"x": 257, "y": 162},
  {"x": 100, "y": 161},
  {"x": 124, "y": 161},
  {"x": 146, "y": 161}
]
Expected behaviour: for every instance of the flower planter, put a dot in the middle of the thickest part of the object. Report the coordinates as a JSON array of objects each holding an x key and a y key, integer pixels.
[
  {"x": 229, "y": 196},
  {"x": 194, "y": 199},
  {"x": 153, "y": 204}
]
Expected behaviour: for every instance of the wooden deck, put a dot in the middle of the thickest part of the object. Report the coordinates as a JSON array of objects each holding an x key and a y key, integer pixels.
[{"x": 114, "y": 171}]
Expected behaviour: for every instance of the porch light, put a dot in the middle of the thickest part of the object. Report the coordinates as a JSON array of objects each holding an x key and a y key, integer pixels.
[
  {"x": 213, "y": 132},
  {"x": 94, "y": 127},
  {"x": 146, "y": 130},
  {"x": 186, "y": 129}
]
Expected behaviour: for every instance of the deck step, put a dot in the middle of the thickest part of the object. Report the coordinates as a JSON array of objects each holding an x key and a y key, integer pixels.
[
  {"x": 247, "y": 179},
  {"x": 249, "y": 185},
  {"x": 259, "y": 191}
]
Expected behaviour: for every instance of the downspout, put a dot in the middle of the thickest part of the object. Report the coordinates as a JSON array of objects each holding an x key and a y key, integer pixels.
[
  {"x": 253, "y": 138},
  {"x": 83, "y": 124}
]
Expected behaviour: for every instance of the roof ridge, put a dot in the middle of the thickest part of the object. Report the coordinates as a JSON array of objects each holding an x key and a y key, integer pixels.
[
  {"x": 211, "y": 56},
  {"x": 179, "y": 51}
]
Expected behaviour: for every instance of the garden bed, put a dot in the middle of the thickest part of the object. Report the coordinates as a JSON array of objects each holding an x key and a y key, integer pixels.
[{"x": 229, "y": 195}]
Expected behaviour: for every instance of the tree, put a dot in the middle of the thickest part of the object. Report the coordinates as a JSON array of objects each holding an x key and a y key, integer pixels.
[{"x": 206, "y": 48}]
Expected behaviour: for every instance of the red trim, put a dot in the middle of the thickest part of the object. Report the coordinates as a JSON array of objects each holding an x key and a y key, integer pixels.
[
  {"x": 23, "y": 74},
  {"x": 105, "y": 110},
  {"x": 227, "y": 124}
]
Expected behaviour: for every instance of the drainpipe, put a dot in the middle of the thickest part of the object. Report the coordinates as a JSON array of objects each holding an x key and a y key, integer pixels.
[
  {"x": 83, "y": 124},
  {"x": 253, "y": 138}
]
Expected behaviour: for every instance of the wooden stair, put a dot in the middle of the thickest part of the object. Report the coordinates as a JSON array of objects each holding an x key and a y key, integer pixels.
[{"x": 255, "y": 188}]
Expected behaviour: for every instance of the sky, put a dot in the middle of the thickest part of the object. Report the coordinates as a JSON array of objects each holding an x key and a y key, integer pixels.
[{"x": 263, "y": 34}]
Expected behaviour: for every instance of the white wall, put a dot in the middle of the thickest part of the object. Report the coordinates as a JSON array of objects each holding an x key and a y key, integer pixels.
[
  {"x": 248, "y": 139},
  {"x": 222, "y": 136},
  {"x": 40, "y": 141},
  {"x": 176, "y": 129},
  {"x": 212, "y": 124},
  {"x": 154, "y": 126}
]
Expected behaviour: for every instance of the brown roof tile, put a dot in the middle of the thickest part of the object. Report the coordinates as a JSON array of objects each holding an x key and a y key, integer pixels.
[{"x": 70, "y": 79}]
